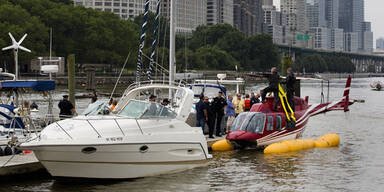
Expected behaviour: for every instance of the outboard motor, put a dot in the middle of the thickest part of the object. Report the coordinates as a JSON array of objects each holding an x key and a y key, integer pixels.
[{"x": 378, "y": 86}]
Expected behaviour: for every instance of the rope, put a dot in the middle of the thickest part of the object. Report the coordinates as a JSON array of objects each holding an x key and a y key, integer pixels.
[{"x": 281, "y": 95}]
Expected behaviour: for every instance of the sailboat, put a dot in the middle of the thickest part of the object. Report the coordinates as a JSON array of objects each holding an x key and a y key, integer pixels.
[{"x": 142, "y": 138}]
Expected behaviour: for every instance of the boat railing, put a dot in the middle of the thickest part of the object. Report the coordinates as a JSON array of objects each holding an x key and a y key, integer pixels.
[{"x": 152, "y": 82}]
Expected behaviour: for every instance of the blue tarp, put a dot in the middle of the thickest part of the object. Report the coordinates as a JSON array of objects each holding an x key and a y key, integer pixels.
[{"x": 46, "y": 85}]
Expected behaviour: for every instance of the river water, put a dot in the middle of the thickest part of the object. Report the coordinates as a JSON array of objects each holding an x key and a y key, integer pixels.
[{"x": 356, "y": 165}]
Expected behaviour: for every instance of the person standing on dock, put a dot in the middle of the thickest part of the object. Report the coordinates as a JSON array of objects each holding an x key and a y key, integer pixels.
[
  {"x": 247, "y": 103},
  {"x": 211, "y": 117},
  {"x": 201, "y": 113},
  {"x": 239, "y": 104},
  {"x": 219, "y": 104},
  {"x": 274, "y": 80},
  {"x": 230, "y": 112},
  {"x": 66, "y": 108}
]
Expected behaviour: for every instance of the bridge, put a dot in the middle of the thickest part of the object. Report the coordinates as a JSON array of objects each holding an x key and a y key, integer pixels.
[{"x": 362, "y": 61}]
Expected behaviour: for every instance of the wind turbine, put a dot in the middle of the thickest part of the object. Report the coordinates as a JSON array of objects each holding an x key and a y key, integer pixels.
[{"x": 16, "y": 46}]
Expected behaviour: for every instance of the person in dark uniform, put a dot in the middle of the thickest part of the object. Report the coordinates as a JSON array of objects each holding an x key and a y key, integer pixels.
[
  {"x": 274, "y": 80},
  {"x": 290, "y": 84},
  {"x": 201, "y": 113},
  {"x": 211, "y": 116},
  {"x": 219, "y": 104},
  {"x": 66, "y": 108}
]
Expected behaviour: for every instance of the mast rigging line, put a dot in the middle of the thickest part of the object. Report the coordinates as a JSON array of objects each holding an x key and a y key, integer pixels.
[
  {"x": 142, "y": 41},
  {"x": 154, "y": 43}
]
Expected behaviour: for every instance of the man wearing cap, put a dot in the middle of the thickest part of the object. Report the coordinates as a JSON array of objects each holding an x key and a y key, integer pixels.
[
  {"x": 219, "y": 104},
  {"x": 153, "y": 107},
  {"x": 66, "y": 108},
  {"x": 164, "y": 110}
]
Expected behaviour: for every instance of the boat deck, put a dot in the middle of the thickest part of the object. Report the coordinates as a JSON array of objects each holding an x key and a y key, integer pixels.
[{"x": 19, "y": 164}]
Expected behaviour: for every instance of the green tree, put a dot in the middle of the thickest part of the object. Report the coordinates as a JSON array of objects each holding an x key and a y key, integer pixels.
[{"x": 213, "y": 58}]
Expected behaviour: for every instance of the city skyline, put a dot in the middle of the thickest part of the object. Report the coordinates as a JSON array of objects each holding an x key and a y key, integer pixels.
[{"x": 373, "y": 12}]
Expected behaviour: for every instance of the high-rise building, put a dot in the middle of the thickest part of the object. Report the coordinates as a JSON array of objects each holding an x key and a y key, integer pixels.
[
  {"x": 268, "y": 2},
  {"x": 316, "y": 13},
  {"x": 351, "y": 18},
  {"x": 322, "y": 37},
  {"x": 124, "y": 8},
  {"x": 332, "y": 13},
  {"x": 248, "y": 16},
  {"x": 294, "y": 11},
  {"x": 351, "y": 41},
  {"x": 337, "y": 39},
  {"x": 189, "y": 14},
  {"x": 380, "y": 43},
  {"x": 219, "y": 11},
  {"x": 272, "y": 23},
  {"x": 295, "y": 21}
]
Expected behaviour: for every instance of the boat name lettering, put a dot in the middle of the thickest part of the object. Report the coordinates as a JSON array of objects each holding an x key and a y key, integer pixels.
[{"x": 114, "y": 139}]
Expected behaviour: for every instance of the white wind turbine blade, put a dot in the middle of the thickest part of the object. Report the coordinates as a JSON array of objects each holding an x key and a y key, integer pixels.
[
  {"x": 9, "y": 47},
  {"x": 22, "y": 39},
  {"x": 13, "y": 39},
  {"x": 24, "y": 49}
]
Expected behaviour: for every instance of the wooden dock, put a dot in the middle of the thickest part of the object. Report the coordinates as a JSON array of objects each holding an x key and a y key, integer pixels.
[{"x": 19, "y": 164}]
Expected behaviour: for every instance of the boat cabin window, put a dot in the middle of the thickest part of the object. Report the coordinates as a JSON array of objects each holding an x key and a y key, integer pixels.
[
  {"x": 142, "y": 109},
  {"x": 249, "y": 121},
  {"x": 270, "y": 123},
  {"x": 278, "y": 122}
]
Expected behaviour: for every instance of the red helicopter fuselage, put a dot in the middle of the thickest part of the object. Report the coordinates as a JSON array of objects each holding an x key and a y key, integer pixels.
[{"x": 263, "y": 126}]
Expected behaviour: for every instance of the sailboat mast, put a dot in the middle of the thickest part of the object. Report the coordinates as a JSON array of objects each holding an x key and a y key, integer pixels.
[{"x": 172, "y": 43}]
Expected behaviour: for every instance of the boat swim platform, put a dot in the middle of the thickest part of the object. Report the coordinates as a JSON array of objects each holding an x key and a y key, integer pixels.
[{"x": 19, "y": 164}]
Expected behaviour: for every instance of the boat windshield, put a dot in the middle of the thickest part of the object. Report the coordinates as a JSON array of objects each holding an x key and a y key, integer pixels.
[
  {"x": 209, "y": 91},
  {"x": 96, "y": 108},
  {"x": 249, "y": 121},
  {"x": 141, "y": 109}
]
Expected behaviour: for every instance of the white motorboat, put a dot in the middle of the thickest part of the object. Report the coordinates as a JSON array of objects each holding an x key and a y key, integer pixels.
[
  {"x": 142, "y": 139},
  {"x": 377, "y": 85}
]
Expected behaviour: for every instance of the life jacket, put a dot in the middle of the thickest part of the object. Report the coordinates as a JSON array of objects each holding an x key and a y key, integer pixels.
[{"x": 247, "y": 103}]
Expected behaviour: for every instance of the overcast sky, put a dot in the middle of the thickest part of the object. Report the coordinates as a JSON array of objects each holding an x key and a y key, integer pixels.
[{"x": 374, "y": 12}]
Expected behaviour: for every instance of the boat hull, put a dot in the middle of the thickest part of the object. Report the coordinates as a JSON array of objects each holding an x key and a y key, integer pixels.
[{"x": 120, "y": 161}]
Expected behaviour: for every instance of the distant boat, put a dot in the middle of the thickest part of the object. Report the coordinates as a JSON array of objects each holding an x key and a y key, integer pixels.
[{"x": 377, "y": 85}]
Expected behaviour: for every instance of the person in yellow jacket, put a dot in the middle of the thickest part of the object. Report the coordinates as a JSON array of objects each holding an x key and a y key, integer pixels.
[{"x": 239, "y": 104}]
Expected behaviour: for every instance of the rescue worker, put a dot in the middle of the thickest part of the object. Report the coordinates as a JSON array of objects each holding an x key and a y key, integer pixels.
[
  {"x": 211, "y": 116},
  {"x": 274, "y": 80},
  {"x": 219, "y": 104},
  {"x": 201, "y": 113},
  {"x": 290, "y": 84},
  {"x": 66, "y": 108}
]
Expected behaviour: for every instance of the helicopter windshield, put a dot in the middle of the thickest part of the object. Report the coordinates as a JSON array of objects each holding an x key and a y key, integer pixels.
[{"x": 249, "y": 121}]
